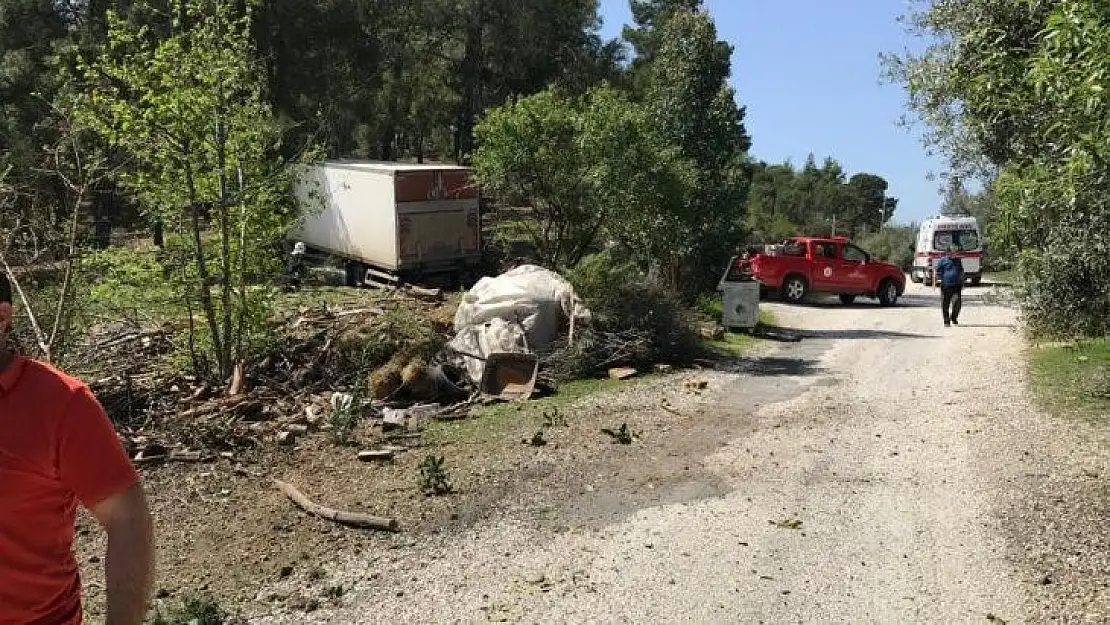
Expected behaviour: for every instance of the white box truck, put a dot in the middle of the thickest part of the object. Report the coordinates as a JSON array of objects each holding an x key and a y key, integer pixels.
[
  {"x": 391, "y": 221},
  {"x": 939, "y": 233}
]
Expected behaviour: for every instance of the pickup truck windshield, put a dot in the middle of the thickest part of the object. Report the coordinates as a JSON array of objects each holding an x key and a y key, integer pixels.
[{"x": 964, "y": 240}]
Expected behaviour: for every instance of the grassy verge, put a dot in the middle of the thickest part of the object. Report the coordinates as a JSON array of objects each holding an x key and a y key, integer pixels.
[
  {"x": 738, "y": 344},
  {"x": 491, "y": 424},
  {"x": 1074, "y": 379}
]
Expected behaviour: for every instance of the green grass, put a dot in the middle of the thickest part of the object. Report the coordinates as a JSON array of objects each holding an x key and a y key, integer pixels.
[
  {"x": 496, "y": 421},
  {"x": 1073, "y": 379},
  {"x": 738, "y": 344}
]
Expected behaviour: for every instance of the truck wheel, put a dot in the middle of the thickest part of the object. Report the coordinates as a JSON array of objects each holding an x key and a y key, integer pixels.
[
  {"x": 794, "y": 289},
  {"x": 356, "y": 273},
  {"x": 847, "y": 300},
  {"x": 888, "y": 293},
  {"x": 976, "y": 280}
]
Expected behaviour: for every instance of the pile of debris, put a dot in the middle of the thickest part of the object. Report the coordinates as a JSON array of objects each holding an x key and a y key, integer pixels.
[{"x": 423, "y": 361}]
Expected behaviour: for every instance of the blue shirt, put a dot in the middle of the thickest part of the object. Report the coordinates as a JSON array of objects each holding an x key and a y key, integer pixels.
[{"x": 951, "y": 271}]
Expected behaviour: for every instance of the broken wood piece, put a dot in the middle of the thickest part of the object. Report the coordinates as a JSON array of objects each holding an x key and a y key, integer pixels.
[
  {"x": 360, "y": 311},
  {"x": 186, "y": 456},
  {"x": 237, "y": 380},
  {"x": 223, "y": 403},
  {"x": 424, "y": 292},
  {"x": 353, "y": 519},
  {"x": 622, "y": 373},
  {"x": 372, "y": 455}
]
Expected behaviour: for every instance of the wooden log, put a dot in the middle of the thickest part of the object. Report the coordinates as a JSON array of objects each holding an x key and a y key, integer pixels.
[
  {"x": 353, "y": 519},
  {"x": 372, "y": 455}
]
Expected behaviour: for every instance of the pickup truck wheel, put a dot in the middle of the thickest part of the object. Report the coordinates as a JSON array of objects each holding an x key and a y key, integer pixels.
[
  {"x": 794, "y": 289},
  {"x": 976, "y": 280},
  {"x": 847, "y": 300},
  {"x": 888, "y": 293}
]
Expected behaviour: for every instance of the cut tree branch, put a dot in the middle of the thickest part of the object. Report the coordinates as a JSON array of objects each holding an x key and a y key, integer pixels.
[{"x": 353, "y": 519}]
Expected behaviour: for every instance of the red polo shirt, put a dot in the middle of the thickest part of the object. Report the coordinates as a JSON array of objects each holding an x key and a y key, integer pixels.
[{"x": 57, "y": 448}]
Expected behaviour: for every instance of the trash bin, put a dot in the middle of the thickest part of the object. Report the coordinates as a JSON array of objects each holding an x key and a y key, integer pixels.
[
  {"x": 739, "y": 296},
  {"x": 740, "y": 302}
]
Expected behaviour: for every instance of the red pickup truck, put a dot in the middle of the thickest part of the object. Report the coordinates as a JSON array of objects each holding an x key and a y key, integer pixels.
[{"x": 804, "y": 265}]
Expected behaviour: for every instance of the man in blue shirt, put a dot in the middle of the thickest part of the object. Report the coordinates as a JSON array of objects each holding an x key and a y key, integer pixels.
[{"x": 950, "y": 272}]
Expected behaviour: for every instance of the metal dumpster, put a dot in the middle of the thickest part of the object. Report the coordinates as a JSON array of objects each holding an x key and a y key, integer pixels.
[{"x": 739, "y": 297}]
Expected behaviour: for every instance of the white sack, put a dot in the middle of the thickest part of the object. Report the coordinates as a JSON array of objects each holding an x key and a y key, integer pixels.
[{"x": 522, "y": 310}]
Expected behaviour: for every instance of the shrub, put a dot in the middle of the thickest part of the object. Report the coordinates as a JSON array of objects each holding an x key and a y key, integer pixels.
[
  {"x": 1066, "y": 287},
  {"x": 636, "y": 322}
]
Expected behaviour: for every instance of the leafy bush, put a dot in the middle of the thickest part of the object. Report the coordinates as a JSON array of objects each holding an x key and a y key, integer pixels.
[
  {"x": 1066, "y": 287},
  {"x": 893, "y": 244},
  {"x": 636, "y": 322}
]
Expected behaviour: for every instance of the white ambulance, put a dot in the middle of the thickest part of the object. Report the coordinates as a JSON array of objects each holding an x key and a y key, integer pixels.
[{"x": 940, "y": 232}]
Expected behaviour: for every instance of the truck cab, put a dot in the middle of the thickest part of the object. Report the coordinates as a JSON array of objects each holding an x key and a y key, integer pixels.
[{"x": 800, "y": 266}]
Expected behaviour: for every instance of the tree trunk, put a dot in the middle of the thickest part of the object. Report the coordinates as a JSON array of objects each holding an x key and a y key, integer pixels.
[{"x": 203, "y": 277}]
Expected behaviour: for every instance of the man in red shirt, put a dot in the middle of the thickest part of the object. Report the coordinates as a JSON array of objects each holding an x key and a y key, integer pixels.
[{"x": 58, "y": 449}]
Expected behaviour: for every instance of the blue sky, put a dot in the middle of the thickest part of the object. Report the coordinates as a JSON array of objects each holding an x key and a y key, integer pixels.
[{"x": 808, "y": 73}]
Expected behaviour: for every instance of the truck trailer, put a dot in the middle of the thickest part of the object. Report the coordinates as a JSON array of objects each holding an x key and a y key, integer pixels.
[{"x": 391, "y": 222}]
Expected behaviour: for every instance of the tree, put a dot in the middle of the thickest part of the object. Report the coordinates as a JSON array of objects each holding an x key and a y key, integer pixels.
[
  {"x": 28, "y": 32},
  {"x": 688, "y": 96},
  {"x": 583, "y": 166},
  {"x": 187, "y": 111},
  {"x": 874, "y": 208},
  {"x": 1014, "y": 88},
  {"x": 649, "y": 17}
]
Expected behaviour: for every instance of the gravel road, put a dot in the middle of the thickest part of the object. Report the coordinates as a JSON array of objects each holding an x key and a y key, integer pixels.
[{"x": 907, "y": 479}]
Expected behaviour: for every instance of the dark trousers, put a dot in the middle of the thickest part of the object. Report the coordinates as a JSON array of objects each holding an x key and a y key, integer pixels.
[{"x": 951, "y": 301}]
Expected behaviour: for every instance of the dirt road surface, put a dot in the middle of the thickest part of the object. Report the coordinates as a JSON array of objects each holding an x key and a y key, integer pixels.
[{"x": 901, "y": 474}]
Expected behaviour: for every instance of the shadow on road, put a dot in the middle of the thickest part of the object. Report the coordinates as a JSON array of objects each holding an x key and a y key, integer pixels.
[
  {"x": 1008, "y": 326},
  {"x": 774, "y": 366},
  {"x": 903, "y": 302},
  {"x": 848, "y": 334}
]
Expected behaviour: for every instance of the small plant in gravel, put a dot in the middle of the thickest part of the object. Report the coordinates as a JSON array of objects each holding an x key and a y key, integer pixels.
[
  {"x": 193, "y": 610},
  {"x": 346, "y": 412},
  {"x": 554, "y": 419},
  {"x": 622, "y": 435},
  {"x": 537, "y": 440},
  {"x": 317, "y": 573},
  {"x": 335, "y": 593},
  {"x": 433, "y": 476}
]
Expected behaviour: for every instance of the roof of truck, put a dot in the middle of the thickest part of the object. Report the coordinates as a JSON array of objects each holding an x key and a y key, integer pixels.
[{"x": 386, "y": 166}]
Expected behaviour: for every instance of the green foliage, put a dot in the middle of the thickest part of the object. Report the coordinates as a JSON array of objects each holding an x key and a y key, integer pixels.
[
  {"x": 694, "y": 108},
  {"x": 433, "y": 476},
  {"x": 346, "y": 414},
  {"x": 893, "y": 244},
  {"x": 1016, "y": 87},
  {"x": 581, "y": 164},
  {"x": 785, "y": 201},
  {"x": 710, "y": 306},
  {"x": 622, "y": 435},
  {"x": 636, "y": 322},
  {"x": 188, "y": 110},
  {"x": 193, "y": 610}
]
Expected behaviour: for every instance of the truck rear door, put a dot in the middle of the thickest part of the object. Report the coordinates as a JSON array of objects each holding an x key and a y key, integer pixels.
[{"x": 437, "y": 213}]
